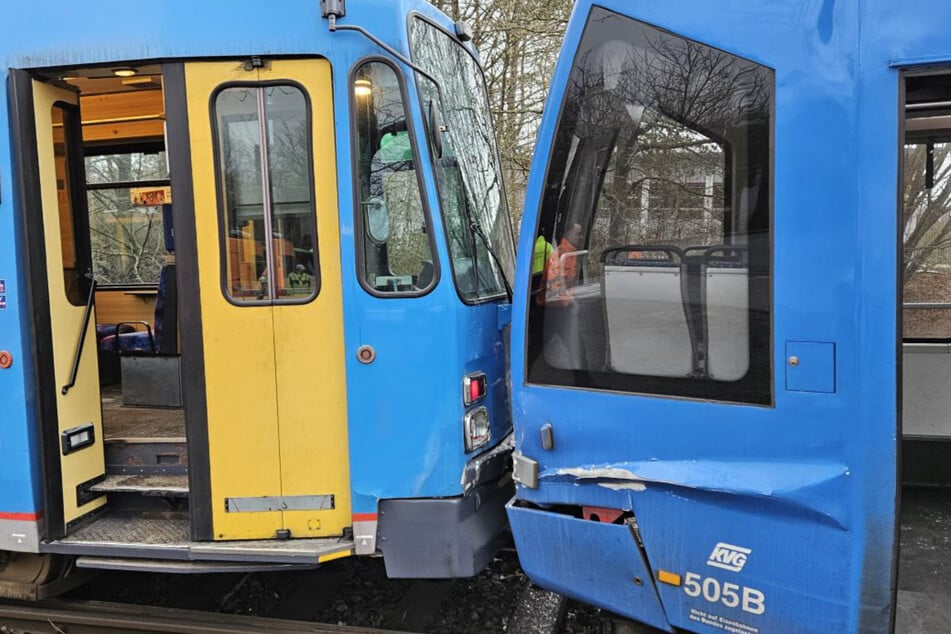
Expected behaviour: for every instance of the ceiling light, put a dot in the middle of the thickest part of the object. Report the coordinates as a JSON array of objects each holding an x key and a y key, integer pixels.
[
  {"x": 362, "y": 88},
  {"x": 124, "y": 72}
]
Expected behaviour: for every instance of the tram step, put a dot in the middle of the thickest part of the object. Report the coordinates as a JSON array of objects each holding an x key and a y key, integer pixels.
[
  {"x": 182, "y": 567},
  {"x": 158, "y": 485},
  {"x": 119, "y": 535},
  {"x": 146, "y": 456}
]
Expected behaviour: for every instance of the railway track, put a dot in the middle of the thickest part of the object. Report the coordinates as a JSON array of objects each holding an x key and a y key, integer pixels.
[{"x": 94, "y": 617}]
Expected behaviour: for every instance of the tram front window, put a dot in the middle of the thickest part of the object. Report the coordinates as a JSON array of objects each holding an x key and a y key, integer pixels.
[
  {"x": 652, "y": 252},
  {"x": 468, "y": 170}
]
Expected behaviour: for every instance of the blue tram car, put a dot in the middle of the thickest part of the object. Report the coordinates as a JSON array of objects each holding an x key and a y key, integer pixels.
[
  {"x": 731, "y": 309},
  {"x": 253, "y": 290}
]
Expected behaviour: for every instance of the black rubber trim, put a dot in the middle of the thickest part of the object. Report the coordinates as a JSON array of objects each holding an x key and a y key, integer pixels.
[
  {"x": 28, "y": 215},
  {"x": 194, "y": 398},
  {"x": 84, "y": 495}
]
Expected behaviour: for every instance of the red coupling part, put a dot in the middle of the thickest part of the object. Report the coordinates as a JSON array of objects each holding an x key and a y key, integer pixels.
[{"x": 6, "y": 359}]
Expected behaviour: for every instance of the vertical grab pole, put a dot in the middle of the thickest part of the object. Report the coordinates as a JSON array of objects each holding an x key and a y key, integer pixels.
[{"x": 82, "y": 337}]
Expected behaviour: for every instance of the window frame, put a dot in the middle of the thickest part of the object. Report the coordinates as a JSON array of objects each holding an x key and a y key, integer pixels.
[
  {"x": 614, "y": 382},
  {"x": 220, "y": 195},
  {"x": 359, "y": 226},
  {"x": 432, "y": 159}
]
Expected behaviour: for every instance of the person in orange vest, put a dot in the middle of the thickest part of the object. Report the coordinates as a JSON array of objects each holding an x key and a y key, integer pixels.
[{"x": 561, "y": 271}]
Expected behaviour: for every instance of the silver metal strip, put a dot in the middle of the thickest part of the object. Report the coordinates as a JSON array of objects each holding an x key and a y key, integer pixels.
[
  {"x": 266, "y": 199},
  {"x": 926, "y": 305},
  {"x": 280, "y": 503}
]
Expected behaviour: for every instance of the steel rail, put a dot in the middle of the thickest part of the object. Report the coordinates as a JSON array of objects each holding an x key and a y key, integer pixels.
[{"x": 91, "y": 617}]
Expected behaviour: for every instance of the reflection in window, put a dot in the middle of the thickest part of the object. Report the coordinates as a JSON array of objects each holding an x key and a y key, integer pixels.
[
  {"x": 66, "y": 142},
  {"x": 926, "y": 266},
  {"x": 469, "y": 175},
  {"x": 127, "y": 236},
  {"x": 397, "y": 251},
  {"x": 264, "y": 150},
  {"x": 653, "y": 250}
]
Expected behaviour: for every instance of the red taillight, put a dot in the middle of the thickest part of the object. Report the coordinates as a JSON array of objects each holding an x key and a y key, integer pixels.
[{"x": 473, "y": 388}]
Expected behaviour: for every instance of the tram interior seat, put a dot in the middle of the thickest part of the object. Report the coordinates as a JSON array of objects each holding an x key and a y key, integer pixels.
[
  {"x": 724, "y": 279},
  {"x": 676, "y": 313},
  {"x": 645, "y": 313},
  {"x": 149, "y": 360}
]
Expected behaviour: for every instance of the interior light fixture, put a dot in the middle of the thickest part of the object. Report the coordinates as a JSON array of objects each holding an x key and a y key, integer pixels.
[
  {"x": 124, "y": 72},
  {"x": 362, "y": 88}
]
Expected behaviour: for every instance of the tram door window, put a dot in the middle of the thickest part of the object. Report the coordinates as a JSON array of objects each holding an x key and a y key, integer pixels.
[
  {"x": 270, "y": 297},
  {"x": 397, "y": 253},
  {"x": 266, "y": 193},
  {"x": 655, "y": 224}
]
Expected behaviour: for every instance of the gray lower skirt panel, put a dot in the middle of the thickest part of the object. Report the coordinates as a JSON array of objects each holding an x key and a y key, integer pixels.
[
  {"x": 169, "y": 539},
  {"x": 437, "y": 538}
]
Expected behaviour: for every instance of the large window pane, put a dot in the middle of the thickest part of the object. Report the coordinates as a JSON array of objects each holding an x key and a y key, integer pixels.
[
  {"x": 270, "y": 228},
  {"x": 652, "y": 254},
  {"x": 469, "y": 174},
  {"x": 396, "y": 254},
  {"x": 127, "y": 239},
  {"x": 927, "y": 240}
]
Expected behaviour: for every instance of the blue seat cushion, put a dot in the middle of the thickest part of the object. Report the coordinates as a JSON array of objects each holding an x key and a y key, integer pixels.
[{"x": 128, "y": 342}]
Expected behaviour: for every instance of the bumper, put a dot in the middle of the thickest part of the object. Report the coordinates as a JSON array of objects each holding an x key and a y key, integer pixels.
[{"x": 450, "y": 537}]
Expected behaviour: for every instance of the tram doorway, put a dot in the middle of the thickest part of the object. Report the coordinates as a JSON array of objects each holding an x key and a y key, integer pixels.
[{"x": 190, "y": 351}]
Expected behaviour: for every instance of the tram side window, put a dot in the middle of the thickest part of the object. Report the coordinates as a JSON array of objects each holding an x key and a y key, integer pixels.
[
  {"x": 926, "y": 266},
  {"x": 396, "y": 254},
  {"x": 652, "y": 252},
  {"x": 67, "y": 150},
  {"x": 127, "y": 234},
  {"x": 264, "y": 146}
]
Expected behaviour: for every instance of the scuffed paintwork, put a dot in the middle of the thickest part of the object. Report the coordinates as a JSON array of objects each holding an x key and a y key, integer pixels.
[
  {"x": 623, "y": 486},
  {"x": 790, "y": 484},
  {"x": 488, "y": 465}
]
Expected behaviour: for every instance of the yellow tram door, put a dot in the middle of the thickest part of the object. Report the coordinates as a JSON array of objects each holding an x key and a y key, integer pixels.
[
  {"x": 268, "y": 247},
  {"x": 72, "y": 319}
]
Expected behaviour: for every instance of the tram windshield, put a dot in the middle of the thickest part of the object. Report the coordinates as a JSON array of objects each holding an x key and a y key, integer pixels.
[{"x": 468, "y": 170}]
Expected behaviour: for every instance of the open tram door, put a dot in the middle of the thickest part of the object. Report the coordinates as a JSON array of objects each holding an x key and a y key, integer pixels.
[
  {"x": 52, "y": 201},
  {"x": 706, "y": 395}
]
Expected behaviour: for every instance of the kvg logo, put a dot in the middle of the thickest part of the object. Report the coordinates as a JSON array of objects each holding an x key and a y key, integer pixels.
[{"x": 728, "y": 557}]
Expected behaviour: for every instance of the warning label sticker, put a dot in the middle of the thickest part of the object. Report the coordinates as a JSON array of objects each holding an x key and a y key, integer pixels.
[{"x": 721, "y": 622}]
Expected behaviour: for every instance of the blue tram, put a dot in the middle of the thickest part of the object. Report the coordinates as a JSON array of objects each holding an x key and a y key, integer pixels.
[
  {"x": 730, "y": 203},
  {"x": 253, "y": 290}
]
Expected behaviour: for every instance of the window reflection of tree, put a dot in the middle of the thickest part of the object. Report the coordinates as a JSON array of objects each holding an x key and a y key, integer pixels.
[
  {"x": 469, "y": 139},
  {"x": 654, "y": 123}
]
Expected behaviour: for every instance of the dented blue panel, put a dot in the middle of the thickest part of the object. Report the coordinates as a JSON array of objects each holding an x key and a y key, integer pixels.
[{"x": 600, "y": 563}]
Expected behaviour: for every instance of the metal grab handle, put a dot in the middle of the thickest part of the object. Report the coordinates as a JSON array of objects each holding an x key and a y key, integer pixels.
[{"x": 82, "y": 337}]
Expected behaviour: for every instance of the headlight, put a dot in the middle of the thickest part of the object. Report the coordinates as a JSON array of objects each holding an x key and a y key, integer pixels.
[{"x": 476, "y": 428}]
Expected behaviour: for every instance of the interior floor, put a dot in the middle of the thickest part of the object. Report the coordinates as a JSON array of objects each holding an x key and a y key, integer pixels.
[
  {"x": 924, "y": 571},
  {"x": 124, "y": 422}
]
